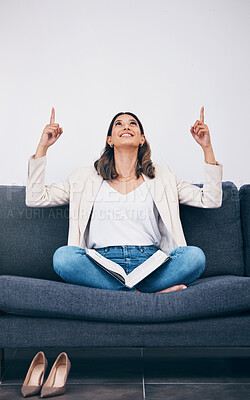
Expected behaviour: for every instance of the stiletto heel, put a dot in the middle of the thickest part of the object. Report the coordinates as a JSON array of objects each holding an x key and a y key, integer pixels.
[
  {"x": 56, "y": 381},
  {"x": 34, "y": 377}
]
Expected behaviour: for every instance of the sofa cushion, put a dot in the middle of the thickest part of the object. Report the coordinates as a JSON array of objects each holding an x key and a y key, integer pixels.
[
  {"x": 245, "y": 217},
  {"x": 203, "y": 298},
  {"x": 217, "y": 231},
  {"x": 30, "y": 236}
]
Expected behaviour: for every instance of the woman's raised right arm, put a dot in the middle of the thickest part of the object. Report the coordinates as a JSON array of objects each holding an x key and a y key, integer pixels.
[{"x": 37, "y": 194}]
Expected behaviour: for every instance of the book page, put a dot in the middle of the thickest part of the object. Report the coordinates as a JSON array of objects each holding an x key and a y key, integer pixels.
[
  {"x": 148, "y": 266},
  {"x": 109, "y": 264},
  {"x": 115, "y": 275}
]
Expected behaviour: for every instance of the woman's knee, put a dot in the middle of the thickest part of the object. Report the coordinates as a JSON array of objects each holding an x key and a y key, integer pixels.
[
  {"x": 197, "y": 258},
  {"x": 64, "y": 256}
]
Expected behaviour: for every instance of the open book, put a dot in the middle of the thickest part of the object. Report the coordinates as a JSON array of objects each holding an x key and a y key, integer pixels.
[{"x": 139, "y": 273}]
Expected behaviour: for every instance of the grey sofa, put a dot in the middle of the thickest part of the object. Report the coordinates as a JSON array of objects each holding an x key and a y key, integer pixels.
[{"x": 39, "y": 309}]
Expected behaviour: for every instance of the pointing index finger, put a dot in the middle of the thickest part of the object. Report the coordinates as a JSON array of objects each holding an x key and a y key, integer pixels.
[
  {"x": 52, "y": 118},
  {"x": 202, "y": 115}
]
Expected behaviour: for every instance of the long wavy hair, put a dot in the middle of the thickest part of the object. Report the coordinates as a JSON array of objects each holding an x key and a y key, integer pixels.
[{"x": 105, "y": 165}]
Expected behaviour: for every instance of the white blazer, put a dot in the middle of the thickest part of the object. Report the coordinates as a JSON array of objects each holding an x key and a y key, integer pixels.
[{"x": 81, "y": 187}]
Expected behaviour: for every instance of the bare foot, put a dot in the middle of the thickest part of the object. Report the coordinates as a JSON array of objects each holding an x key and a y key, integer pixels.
[
  {"x": 170, "y": 289},
  {"x": 173, "y": 288}
]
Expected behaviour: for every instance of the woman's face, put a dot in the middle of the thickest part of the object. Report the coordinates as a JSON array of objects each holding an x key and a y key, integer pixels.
[{"x": 125, "y": 132}]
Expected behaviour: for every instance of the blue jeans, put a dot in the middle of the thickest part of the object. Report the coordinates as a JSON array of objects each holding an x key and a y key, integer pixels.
[{"x": 184, "y": 266}]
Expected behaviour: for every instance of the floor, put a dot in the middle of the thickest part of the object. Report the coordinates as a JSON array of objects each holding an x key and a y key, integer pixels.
[{"x": 134, "y": 374}]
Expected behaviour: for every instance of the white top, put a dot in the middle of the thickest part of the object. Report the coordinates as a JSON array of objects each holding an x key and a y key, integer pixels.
[{"x": 123, "y": 219}]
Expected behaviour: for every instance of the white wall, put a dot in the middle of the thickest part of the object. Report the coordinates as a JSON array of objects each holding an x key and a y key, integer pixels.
[{"x": 162, "y": 60}]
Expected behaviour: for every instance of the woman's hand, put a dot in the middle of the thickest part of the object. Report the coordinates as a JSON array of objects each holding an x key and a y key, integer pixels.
[
  {"x": 200, "y": 132},
  {"x": 51, "y": 132},
  {"x": 50, "y": 135}
]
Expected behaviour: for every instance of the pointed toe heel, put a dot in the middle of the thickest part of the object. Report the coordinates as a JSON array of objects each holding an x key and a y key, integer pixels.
[
  {"x": 34, "y": 378},
  {"x": 56, "y": 381}
]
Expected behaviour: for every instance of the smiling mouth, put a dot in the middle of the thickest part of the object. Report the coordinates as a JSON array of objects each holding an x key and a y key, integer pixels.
[{"x": 127, "y": 135}]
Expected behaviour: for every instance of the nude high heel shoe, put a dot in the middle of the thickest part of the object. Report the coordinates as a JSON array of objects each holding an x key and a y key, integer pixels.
[
  {"x": 56, "y": 381},
  {"x": 34, "y": 377}
]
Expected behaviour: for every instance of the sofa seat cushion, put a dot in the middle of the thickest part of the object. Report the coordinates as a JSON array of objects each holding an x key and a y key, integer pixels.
[{"x": 207, "y": 297}]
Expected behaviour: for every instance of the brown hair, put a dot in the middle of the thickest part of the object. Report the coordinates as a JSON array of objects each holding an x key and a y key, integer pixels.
[{"x": 105, "y": 165}]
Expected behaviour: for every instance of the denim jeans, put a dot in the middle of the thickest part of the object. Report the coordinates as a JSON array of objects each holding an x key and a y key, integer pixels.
[{"x": 184, "y": 266}]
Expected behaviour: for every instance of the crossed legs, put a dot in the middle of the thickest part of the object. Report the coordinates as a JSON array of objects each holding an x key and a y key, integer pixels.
[{"x": 185, "y": 265}]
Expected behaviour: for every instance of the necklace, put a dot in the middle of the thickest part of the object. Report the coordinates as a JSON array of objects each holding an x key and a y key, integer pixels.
[{"x": 126, "y": 178}]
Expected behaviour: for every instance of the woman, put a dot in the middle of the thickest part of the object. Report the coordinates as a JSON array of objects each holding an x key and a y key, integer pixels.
[{"x": 106, "y": 203}]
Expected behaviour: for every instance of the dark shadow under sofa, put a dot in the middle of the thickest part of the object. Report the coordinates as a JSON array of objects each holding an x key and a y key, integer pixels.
[{"x": 39, "y": 309}]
